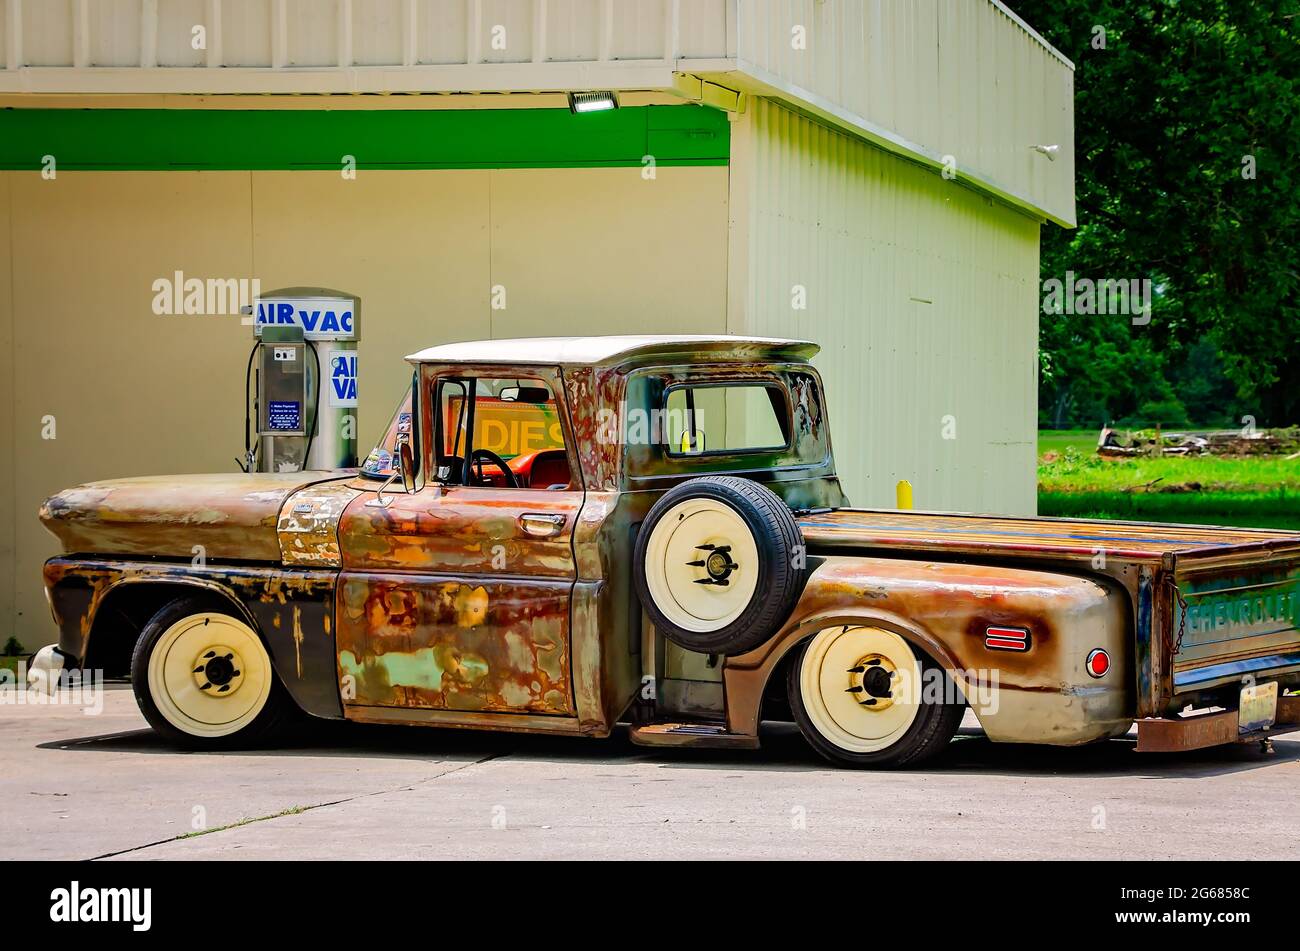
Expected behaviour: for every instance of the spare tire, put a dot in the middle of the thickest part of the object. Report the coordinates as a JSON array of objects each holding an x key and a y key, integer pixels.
[{"x": 719, "y": 564}]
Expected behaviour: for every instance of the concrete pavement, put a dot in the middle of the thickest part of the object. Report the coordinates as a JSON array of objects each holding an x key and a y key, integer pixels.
[{"x": 75, "y": 787}]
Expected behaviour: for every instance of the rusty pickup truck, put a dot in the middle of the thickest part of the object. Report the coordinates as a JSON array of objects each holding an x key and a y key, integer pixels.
[{"x": 556, "y": 535}]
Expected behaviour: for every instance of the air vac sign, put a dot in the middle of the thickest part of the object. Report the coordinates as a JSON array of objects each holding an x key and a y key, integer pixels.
[
  {"x": 321, "y": 318},
  {"x": 342, "y": 382}
]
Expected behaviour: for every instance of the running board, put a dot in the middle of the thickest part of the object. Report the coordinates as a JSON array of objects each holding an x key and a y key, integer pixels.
[{"x": 698, "y": 734}]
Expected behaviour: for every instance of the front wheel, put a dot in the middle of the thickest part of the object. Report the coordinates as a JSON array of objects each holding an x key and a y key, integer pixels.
[
  {"x": 864, "y": 698},
  {"x": 203, "y": 678}
]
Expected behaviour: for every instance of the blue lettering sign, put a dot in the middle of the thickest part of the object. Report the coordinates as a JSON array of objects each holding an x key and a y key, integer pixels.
[
  {"x": 343, "y": 378},
  {"x": 319, "y": 318}
]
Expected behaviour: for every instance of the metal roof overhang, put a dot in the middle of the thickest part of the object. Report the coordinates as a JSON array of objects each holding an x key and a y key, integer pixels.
[{"x": 721, "y": 83}]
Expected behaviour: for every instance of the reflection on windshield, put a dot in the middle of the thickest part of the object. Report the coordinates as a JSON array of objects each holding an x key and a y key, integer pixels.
[{"x": 382, "y": 461}]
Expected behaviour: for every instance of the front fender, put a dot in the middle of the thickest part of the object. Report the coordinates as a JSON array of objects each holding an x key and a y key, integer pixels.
[
  {"x": 1041, "y": 695},
  {"x": 291, "y": 608}
]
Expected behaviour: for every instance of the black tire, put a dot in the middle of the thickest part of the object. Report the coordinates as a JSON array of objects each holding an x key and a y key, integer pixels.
[
  {"x": 935, "y": 725},
  {"x": 278, "y": 710},
  {"x": 782, "y": 568}
]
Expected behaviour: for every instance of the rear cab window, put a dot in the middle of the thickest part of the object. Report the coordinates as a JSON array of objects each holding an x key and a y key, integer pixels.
[
  {"x": 725, "y": 418},
  {"x": 712, "y": 419}
]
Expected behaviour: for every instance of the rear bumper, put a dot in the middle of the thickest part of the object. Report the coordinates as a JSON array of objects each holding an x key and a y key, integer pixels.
[
  {"x": 1170, "y": 735},
  {"x": 1201, "y": 678}
]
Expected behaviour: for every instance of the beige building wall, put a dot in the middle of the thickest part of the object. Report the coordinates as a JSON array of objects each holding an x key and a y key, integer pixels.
[
  {"x": 923, "y": 295},
  {"x": 134, "y": 393}
]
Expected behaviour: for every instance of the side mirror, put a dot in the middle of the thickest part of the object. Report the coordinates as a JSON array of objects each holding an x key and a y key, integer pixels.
[{"x": 407, "y": 457}]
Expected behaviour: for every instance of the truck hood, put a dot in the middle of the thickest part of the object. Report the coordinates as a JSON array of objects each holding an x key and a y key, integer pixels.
[{"x": 231, "y": 516}]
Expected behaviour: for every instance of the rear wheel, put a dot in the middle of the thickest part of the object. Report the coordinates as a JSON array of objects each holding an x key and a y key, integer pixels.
[
  {"x": 203, "y": 678},
  {"x": 864, "y": 698}
]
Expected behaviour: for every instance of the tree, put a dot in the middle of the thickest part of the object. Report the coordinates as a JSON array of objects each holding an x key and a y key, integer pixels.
[{"x": 1186, "y": 127}]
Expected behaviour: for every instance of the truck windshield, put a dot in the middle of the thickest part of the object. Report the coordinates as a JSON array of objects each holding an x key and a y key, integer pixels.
[{"x": 380, "y": 463}]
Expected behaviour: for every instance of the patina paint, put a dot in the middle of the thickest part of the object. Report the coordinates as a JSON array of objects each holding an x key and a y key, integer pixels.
[
  {"x": 441, "y": 643},
  {"x": 1225, "y": 620},
  {"x": 595, "y": 398},
  {"x": 1150, "y": 561},
  {"x": 218, "y": 516},
  {"x": 1033, "y": 537},
  {"x": 802, "y": 473},
  {"x": 447, "y": 601},
  {"x": 439, "y": 608},
  {"x": 309, "y": 524},
  {"x": 1043, "y": 695},
  {"x": 291, "y": 608}
]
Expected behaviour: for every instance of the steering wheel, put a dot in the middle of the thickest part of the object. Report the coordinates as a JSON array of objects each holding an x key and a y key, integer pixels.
[{"x": 476, "y": 459}]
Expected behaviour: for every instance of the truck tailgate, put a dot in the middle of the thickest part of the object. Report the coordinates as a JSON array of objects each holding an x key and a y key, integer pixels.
[{"x": 1233, "y": 618}]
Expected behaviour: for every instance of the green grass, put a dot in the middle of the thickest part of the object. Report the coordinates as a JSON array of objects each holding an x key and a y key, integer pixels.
[
  {"x": 1261, "y": 492},
  {"x": 1059, "y": 440},
  {"x": 11, "y": 663},
  {"x": 1243, "y": 509},
  {"x": 1076, "y": 472}
]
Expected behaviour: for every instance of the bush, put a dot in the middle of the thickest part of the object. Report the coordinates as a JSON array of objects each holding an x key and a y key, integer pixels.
[
  {"x": 12, "y": 647},
  {"x": 1165, "y": 412}
]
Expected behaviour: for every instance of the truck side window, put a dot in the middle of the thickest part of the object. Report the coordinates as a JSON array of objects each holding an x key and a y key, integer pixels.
[
  {"x": 516, "y": 424},
  {"x": 725, "y": 418}
]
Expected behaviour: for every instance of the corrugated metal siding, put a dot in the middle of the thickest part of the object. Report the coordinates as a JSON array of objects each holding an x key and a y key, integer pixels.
[
  {"x": 923, "y": 295},
  {"x": 930, "y": 77},
  {"x": 955, "y": 77},
  {"x": 245, "y": 32},
  {"x": 334, "y": 33}
]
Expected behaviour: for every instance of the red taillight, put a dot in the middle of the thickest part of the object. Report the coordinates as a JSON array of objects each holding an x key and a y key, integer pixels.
[
  {"x": 1006, "y": 639},
  {"x": 1098, "y": 663}
]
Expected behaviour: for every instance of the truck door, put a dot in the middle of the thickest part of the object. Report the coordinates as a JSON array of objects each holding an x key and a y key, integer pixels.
[{"x": 457, "y": 596}]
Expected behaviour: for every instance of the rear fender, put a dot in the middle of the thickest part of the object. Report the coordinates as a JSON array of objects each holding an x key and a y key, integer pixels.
[{"x": 1041, "y": 695}]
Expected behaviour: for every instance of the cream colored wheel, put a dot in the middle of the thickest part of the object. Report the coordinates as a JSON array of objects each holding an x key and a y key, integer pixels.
[
  {"x": 209, "y": 675},
  {"x": 861, "y": 687},
  {"x": 719, "y": 564},
  {"x": 701, "y": 565}
]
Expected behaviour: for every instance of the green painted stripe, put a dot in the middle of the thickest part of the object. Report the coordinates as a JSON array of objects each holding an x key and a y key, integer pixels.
[{"x": 189, "y": 139}]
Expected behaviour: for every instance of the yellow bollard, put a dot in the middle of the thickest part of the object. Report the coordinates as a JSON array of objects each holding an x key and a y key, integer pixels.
[{"x": 904, "y": 493}]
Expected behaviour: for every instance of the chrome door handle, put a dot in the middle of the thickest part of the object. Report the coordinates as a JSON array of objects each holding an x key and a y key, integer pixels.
[{"x": 541, "y": 524}]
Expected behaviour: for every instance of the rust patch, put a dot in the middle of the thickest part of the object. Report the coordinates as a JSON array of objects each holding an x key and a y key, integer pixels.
[
  {"x": 220, "y": 516},
  {"x": 308, "y": 524},
  {"x": 441, "y": 643}
]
